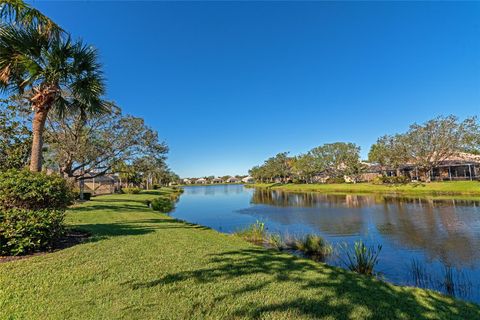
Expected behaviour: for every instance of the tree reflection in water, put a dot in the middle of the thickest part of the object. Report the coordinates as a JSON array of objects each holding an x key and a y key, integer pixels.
[{"x": 443, "y": 235}]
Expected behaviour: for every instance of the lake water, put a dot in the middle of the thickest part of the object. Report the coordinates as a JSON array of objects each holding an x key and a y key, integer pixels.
[{"x": 440, "y": 237}]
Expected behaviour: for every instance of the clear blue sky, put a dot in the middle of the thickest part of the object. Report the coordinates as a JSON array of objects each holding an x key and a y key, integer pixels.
[{"x": 229, "y": 84}]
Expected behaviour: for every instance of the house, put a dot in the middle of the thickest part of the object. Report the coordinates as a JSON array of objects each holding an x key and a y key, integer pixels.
[
  {"x": 248, "y": 180},
  {"x": 105, "y": 184},
  {"x": 461, "y": 166},
  {"x": 201, "y": 181},
  {"x": 187, "y": 181},
  {"x": 217, "y": 180},
  {"x": 232, "y": 180}
]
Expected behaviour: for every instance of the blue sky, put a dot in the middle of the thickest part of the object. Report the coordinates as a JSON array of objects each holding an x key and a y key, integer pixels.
[{"x": 228, "y": 84}]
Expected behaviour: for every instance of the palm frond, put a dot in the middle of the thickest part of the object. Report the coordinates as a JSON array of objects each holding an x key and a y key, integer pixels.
[{"x": 19, "y": 13}]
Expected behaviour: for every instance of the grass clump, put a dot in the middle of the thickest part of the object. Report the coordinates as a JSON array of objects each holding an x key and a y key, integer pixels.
[
  {"x": 255, "y": 233},
  {"x": 313, "y": 246},
  {"x": 362, "y": 259}
]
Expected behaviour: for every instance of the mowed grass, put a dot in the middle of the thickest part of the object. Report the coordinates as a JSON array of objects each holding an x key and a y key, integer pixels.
[
  {"x": 145, "y": 265},
  {"x": 432, "y": 188}
]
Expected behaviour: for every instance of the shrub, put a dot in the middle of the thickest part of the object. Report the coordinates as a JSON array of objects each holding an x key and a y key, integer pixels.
[
  {"x": 23, "y": 231},
  {"x": 162, "y": 204},
  {"x": 156, "y": 186},
  {"x": 87, "y": 196},
  {"x": 32, "y": 207},
  {"x": 363, "y": 259},
  {"x": 391, "y": 180},
  {"x": 23, "y": 189},
  {"x": 132, "y": 190},
  {"x": 313, "y": 246},
  {"x": 177, "y": 189},
  {"x": 335, "y": 180}
]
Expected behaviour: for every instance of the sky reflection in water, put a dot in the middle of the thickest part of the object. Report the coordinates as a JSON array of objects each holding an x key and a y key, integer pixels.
[{"x": 437, "y": 235}]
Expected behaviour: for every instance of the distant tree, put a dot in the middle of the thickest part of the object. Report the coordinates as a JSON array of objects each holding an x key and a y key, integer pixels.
[
  {"x": 81, "y": 146},
  {"x": 436, "y": 140},
  {"x": 303, "y": 167},
  {"x": 153, "y": 171},
  {"x": 390, "y": 152},
  {"x": 279, "y": 166},
  {"x": 335, "y": 159},
  {"x": 15, "y": 136}
]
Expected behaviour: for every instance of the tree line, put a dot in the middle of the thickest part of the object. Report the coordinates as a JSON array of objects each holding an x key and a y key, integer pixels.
[
  {"x": 54, "y": 114},
  {"x": 423, "y": 146}
]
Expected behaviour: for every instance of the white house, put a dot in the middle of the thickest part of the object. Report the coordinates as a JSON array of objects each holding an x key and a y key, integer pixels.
[
  {"x": 232, "y": 180},
  {"x": 217, "y": 180},
  {"x": 248, "y": 180},
  {"x": 187, "y": 181},
  {"x": 201, "y": 181}
]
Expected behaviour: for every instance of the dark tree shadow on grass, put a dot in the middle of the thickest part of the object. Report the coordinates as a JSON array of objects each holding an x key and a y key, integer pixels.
[
  {"x": 331, "y": 291},
  {"x": 100, "y": 231}
]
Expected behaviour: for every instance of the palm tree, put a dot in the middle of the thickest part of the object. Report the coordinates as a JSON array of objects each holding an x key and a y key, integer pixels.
[{"x": 52, "y": 73}]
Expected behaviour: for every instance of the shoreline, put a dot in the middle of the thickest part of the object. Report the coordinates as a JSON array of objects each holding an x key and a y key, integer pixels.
[
  {"x": 450, "y": 188},
  {"x": 184, "y": 266}
]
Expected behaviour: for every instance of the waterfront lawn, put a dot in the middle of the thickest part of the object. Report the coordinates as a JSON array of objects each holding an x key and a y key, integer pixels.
[
  {"x": 432, "y": 188},
  {"x": 145, "y": 265}
]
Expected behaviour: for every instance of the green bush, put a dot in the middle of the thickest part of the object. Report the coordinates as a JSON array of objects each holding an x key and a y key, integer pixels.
[
  {"x": 335, "y": 180},
  {"x": 156, "y": 186},
  {"x": 313, "y": 246},
  {"x": 87, "y": 196},
  {"x": 23, "y": 231},
  {"x": 391, "y": 180},
  {"x": 23, "y": 189},
  {"x": 162, "y": 204},
  {"x": 132, "y": 190},
  {"x": 32, "y": 207}
]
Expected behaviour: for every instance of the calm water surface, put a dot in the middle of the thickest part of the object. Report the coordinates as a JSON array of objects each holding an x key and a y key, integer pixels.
[{"x": 440, "y": 237}]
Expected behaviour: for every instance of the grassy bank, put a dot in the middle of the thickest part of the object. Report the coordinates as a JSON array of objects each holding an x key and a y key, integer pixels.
[
  {"x": 144, "y": 265},
  {"x": 468, "y": 188}
]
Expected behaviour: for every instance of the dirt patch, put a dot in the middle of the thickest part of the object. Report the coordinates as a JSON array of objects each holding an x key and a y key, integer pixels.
[{"x": 71, "y": 238}]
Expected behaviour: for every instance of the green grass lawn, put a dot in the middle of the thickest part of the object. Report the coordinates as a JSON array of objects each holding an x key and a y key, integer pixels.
[
  {"x": 432, "y": 188},
  {"x": 144, "y": 265}
]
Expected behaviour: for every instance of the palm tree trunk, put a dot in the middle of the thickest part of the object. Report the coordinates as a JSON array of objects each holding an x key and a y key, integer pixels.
[{"x": 38, "y": 125}]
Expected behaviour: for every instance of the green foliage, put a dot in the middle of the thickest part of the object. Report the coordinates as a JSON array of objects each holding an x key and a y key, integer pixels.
[
  {"x": 313, "y": 246},
  {"x": 15, "y": 137},
  {"x": 133, "y": 190},
  {"x": 23, "y": 189},
  {"x": 335, "y": 159},
  {"x": 156, "y": 187},
  {"x": 363, "y": 258},
  {"x": 393, "y": 180},
  {"x": 23, "y": 231},
  {"x": 276, "y": 241},
  {"x": 162, "y": 204},
  {"x": 255, "y": 233},
  {"x": 396, "y": 180},
  {"x": 189, "y": 270},
  {"x": 32, "y": 207}
]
